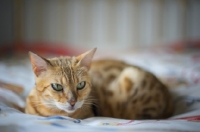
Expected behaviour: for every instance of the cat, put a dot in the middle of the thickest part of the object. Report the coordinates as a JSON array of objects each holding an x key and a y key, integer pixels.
[
  {"x": 80, "y": 88},
  {"x": 63, "y": 86}
]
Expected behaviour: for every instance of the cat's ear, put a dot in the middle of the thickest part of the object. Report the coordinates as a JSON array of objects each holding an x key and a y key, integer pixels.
[
  {"x": 39, "y": 64},
  {"x": 86, "y": 58}
]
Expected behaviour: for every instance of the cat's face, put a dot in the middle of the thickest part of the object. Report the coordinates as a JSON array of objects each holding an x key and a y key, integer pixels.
[
  {"x": 63, "y": 83},
  {"x": 67, "y": 88}
]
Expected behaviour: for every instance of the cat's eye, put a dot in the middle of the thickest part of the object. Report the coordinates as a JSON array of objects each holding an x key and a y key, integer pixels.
[
  {"x": 57, "y": 87},
  {"x": 81, "y": 85}
]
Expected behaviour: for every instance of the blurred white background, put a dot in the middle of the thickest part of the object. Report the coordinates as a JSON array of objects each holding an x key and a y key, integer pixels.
[{"x": 99, "y": 23}]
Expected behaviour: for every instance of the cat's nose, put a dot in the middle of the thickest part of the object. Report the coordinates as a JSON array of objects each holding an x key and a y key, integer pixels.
[{"x": 72, "y": 102}]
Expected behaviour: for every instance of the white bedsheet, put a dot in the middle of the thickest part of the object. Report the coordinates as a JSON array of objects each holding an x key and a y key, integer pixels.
[{"x": 181, "y": 72}]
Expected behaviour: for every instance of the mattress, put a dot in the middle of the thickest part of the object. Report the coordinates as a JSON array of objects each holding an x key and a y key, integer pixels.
[{"x": 178, "y": 68}]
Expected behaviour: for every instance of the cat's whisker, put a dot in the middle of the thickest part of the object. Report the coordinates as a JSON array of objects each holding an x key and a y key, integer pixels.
[
  {"x": 91, "y": 96},
  {"x": 42, "y": 101},
  {"x": 91, "y": 99},
  {"x": 39, "y": 103},
  {"x": 86, "y": 103},
  {"x": 89, "y": 104},
  {"x": 86, "y": 108},
  {"x": 82, "y": 109},
  {"x": 46, "y": 104}
]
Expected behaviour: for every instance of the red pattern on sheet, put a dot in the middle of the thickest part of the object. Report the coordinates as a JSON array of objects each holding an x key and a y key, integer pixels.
[
  {"x": 121, "y": 124},
  {"x": 189, "y": 118}
]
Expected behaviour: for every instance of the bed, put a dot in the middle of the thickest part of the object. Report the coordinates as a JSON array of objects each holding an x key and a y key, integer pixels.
[{"x": 177, "y": 65}]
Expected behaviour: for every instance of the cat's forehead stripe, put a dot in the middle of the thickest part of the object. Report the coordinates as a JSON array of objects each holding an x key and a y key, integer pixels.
[
  {"x": 68, "y": 69},
  {"x": 61, "y": 61},
  {"x": 65, "y": 71}
]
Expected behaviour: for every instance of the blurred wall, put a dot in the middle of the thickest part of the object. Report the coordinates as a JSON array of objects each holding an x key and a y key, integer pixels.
[
  {"x": 6, "y": 21},
  {"x": 103, "y": 23}
]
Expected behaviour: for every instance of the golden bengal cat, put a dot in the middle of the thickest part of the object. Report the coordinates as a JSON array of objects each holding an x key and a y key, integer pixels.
[{"x": 72, "y": 86}]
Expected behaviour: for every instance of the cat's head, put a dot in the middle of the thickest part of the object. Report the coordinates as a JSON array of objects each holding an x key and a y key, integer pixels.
[{"x": 63, "y": 83}]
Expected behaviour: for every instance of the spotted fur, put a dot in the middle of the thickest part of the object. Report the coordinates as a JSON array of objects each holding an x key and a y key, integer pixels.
[
  {"x": 129, "y": 92},
  {"x": 113, "y": 89}
]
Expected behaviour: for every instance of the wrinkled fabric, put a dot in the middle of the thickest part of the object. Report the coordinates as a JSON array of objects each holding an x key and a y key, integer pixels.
[{"x": 178, "y": 70}]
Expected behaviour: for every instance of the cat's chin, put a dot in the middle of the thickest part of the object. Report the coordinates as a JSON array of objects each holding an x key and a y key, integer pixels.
[
  {"x": 68, "y": 110},
  {"x": 72, "y": 110}
]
